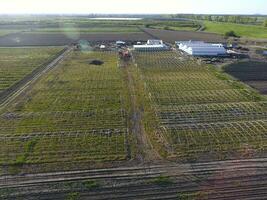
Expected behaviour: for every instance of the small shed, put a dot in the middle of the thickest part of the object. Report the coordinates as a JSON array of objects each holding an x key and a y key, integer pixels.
[
  {"x": 102, "y": 46},
  {"x": 120, "y": 43}
]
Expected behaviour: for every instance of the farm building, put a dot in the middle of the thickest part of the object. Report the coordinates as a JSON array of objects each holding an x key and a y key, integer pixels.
[
  {"x": 120, "y": 43},
  {"x": 199, "y": 48},
  {"x": 151, "y": 45}
]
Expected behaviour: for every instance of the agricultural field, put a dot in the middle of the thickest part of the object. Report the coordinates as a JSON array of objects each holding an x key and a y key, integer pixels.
[
  {"x": 76, "y": 113},
  {"x": 247, "y": 31},
  {"x": 60, "y": 39},
  {"x": 199, "y": 113},
  {"x": 166, "y": 24},
  {"x": 16, "y": 63},
  {"x": 99, "y": 29},
  {"x": 252, "y": 73},
  {"x": 172, "y": 36}
]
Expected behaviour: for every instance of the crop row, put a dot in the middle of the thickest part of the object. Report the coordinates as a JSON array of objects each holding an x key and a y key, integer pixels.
[
  {"x": 199, "y": 110},
  {"x": 16, "y": 63},
  {"x": 75, "y": 112}
]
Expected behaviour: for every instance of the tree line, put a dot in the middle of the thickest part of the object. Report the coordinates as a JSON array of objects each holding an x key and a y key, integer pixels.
[{"x": 239, "y": 19}]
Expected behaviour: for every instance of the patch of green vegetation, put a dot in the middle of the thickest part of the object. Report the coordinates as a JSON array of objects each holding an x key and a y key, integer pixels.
[
  {"x": 84, "y": 107},
  {"x": 249, "y": 31},
  {"x": 82, "y": 185},
  {"x": 172, "y": 25},
  {"x": 162, "y": 180},
  {"x": 230, "y": 34},
  {"x": 73, "y": 196},
  {"x": 16, "y": 63},
  {"x": 29, "y": 148},
  {"x": 6, "y": 32},
  {"x": 192, "y": 195},
  {"x": 91, "y": 184}
]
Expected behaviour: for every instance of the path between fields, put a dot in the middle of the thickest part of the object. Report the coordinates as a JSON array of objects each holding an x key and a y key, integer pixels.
[
  {"x": 145, "y": 151},
  {"x": 14, "y": 91}
]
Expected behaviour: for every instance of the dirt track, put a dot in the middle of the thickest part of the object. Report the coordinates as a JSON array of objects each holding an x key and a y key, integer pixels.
[
  {"x": 238, "y": 179},
  {"x": 145, "y": 151}
]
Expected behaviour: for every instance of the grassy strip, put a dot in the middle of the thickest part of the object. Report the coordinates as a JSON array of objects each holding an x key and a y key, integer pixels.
[{"x": 248, "y": 31}]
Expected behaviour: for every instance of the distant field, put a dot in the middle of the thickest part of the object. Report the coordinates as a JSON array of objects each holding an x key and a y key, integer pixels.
[
  {"x": 96, "y": 29},
  {"x": 76, "y": 113},
  {"x": 6, "y": 32},
  {"x": 172, "y": 36},
  {"x": 248, "y": 31},
  {"x": 252, "y": 73},
  {"x": 175, "y": 28},
  {"x": 60, "y": 39},
  {"x": 196, "y": 113},
  {"x": 16, "y": 63}
]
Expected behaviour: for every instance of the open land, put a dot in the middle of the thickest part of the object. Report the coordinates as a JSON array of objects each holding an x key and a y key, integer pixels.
[
  {"x": 161, "y": 125},
  {"x": 200, "y": 111},
  {"x": 242, "y": 30},
  {"x": 75, "y": 118},
  {"x": 251, "y": 72},
  {"x": 77, "y": 112},
  {"x": 20, "y": 64},
  {"x": 172, "y": 36}
]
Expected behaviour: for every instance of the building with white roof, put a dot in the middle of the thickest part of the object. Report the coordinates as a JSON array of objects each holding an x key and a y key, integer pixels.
[
  {"x": 200, "y": 48},
  {"x": 151, "y": 45}
]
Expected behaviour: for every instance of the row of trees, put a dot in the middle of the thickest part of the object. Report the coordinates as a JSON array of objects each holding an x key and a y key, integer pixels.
[{"x": 224, "y": 18}]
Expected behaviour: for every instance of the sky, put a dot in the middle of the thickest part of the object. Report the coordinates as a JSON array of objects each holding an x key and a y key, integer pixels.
[{"x": 133, "y": 6}]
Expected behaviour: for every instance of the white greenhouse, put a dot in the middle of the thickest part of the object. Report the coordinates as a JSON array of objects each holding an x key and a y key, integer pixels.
[
  {"x": 151, "y": 45},
  {"x": 199, "y": 48}
]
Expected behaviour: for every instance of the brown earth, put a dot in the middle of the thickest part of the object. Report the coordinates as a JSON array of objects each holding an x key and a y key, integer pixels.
[
  {"x": 261, "y": 86},
  {"x": 58, "y": 39},
  {"x": 253, "y": 73},
  {"x": 172, "y": 36}
]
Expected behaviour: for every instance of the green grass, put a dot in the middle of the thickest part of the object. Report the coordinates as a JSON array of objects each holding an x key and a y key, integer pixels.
[
  {"x": 163, "y": 181},
  {"x": 75, "y": 113},
  {"x": 6, "y": 32},
  {"x": 247, "y": 31},
  {"x": 174, "y": 28},
  {"x": 16, "y": 63}
]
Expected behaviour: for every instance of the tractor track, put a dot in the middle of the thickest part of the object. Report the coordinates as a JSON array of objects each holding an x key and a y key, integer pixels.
[{"x": 220, "y": 180}]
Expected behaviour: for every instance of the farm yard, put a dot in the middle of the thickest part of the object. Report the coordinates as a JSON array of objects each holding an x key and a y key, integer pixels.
[
  {"x": 16, "y": 63},
  {"x": 201, "y": 114},
  {"x": 75, "y": 113},
  {"x": 252, "y": 73}
]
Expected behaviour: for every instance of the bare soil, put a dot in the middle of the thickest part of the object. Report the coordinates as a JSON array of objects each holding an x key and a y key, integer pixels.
[
  {"x": 39, "y": 39},
  {"x": 172, "y": 36},
  {"x": 253, "y": 73}
]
